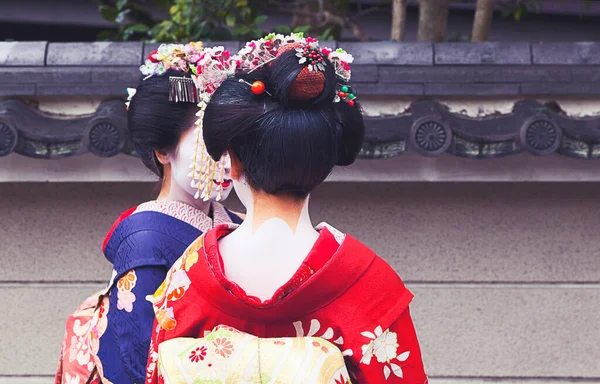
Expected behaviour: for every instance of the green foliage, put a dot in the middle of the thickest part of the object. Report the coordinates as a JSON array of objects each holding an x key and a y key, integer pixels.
[
  {"x": 188, "y": 20},
  {"x": 519, "y": 9},
  {"x": 196, "y": 20},
  {"x": 131, "y": 20}
]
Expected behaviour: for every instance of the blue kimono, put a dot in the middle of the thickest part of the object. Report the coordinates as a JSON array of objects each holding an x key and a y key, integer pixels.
[{"x": 142, "y": 248}]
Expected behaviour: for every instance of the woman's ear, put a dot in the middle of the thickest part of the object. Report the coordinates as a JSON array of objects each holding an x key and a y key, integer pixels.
[
  {"x": 237, "y": 168},
  {"x": 162, "y": 156}
]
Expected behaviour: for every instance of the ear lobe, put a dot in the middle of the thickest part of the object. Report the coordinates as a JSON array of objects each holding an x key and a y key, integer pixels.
[
  {"x": 237, "y": 168},
  {"x": 162, "y": 156}
]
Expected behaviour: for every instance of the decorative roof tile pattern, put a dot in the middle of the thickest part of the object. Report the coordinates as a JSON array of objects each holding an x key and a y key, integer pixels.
[{"x": 418, "y": 71}]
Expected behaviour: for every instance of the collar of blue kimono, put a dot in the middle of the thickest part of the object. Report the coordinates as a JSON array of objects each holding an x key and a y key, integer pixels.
[
  {"x": 337, "y": 275},
  {"x": 148, "y": 222}
]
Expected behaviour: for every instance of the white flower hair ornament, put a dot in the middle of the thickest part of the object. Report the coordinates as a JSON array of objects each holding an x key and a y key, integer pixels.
[{"x": 208, "y": 67}]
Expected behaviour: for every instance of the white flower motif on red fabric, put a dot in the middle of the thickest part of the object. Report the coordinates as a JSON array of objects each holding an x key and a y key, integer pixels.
[
  {"x": 75, "y": 379},
  {"x": 384, "y": 347},
  {"x": 153, "y": 360},
  {"x": 315, "y": 327}
]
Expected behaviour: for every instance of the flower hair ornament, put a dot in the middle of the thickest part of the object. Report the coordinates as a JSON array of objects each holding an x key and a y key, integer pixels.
[
  {"x": 208, "y": 68},
  {"x": 258, "y": 53}
]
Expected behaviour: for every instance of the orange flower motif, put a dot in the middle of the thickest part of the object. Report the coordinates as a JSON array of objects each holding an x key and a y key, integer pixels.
[
  {"x": 127, "y": 282},
  {"x": 166, "y": 322},
  {"x": 223, "y": 347},
  {"x": 176, "y": 294}
]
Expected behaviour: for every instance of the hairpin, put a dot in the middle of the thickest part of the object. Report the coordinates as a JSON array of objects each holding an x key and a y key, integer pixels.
[
  {"x": 257, "y": 87},
  {"x": 262, "y": 64}
]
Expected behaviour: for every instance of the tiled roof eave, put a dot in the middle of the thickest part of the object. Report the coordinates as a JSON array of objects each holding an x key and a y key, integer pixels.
[{"x": 421, "y": 72}]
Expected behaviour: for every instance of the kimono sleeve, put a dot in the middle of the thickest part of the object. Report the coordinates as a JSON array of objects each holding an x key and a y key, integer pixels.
[
  {"x": 382, "y": 341},
  {"x": 392, "y": 355},
  {"x": 130, "y": 318}
]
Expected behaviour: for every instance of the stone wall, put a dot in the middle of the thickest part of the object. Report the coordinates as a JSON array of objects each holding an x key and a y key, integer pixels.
[{"x": 505, "y": 274}]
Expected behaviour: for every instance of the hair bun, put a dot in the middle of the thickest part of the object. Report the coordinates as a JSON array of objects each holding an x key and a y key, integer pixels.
[{"x": 308, "y": 84}]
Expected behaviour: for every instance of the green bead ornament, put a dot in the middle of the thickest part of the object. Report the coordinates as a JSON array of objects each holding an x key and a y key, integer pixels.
[
  {"x": 345, "y": 89},
  {"x": 351, "y": 96}
]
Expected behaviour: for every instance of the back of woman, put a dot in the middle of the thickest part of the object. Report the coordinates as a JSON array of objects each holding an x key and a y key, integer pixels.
[
  {"x": 108, "y": 337},
  {"x": 275, "y": 299}
]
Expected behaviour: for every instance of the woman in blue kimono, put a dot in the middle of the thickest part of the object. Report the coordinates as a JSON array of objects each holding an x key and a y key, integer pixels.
[{"x": 107, "y": 339}]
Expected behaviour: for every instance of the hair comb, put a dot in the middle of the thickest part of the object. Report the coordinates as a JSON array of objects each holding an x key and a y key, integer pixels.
[{"x": 183, "y": 90}]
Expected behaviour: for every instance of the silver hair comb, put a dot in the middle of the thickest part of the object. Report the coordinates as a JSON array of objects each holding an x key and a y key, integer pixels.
[{"x": 183, "y": 90}]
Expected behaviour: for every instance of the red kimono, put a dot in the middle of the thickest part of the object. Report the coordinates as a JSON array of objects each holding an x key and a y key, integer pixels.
[{"x": 343, "y": 292}]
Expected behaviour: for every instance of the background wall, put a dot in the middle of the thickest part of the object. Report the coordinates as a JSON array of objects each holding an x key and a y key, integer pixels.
[{"x": 506, "y": 276}]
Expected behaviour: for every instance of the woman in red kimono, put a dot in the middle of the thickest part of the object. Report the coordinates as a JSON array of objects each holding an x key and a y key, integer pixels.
[{"x": 286, "y": 119}]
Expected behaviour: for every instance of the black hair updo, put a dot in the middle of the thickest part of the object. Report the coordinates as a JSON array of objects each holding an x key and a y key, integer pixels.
[
  {"x": 154, "y": 122},
  {"x": 287, "y": 146}
]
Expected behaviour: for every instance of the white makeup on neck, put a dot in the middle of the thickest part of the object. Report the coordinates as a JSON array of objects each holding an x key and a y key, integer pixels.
[
  {"x": 262, "y": 259},
  {"x": 181, "y": 188}
]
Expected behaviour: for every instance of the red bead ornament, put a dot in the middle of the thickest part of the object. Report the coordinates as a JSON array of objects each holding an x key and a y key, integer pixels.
[
  {"x": 346, "y": 95},
  {"x": 258, "y": 87}
]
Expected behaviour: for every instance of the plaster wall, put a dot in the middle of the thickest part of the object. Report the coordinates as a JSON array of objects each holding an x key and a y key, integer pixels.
[{"x": 506, "y": 275}]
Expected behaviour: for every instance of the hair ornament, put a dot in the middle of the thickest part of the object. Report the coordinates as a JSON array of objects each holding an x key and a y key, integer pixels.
[
  {"x": 177, "y": 57},
  {"x": 345, "y": 94},
  {"x": 130, "y": 93},
  {"x": 208, "y": 68},
  {"x": 257, "y": 53},
  {"x": 214, "y": 66},
  {"x": 310, "y": 81},
  {"x": 257, "y": 87},
  {"x": 183, "y": 89},
  {"x": 312, "y": 56}
]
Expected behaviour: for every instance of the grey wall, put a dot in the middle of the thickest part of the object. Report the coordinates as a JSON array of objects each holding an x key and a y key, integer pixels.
[{"x": 506, "y": 276}]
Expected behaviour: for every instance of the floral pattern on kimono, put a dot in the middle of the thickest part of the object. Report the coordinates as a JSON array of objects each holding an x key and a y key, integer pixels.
[
  {"x": 142, "y": 245},
  {"x": 226, "y": 355},
  {"x": 343, "y": 294}
]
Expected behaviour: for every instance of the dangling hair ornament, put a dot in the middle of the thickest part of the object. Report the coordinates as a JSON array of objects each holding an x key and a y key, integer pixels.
[
  {"x": 258, "y": 53},
  {"x": 214, "y": 66},
  {"x": 208, "y": 68}
]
